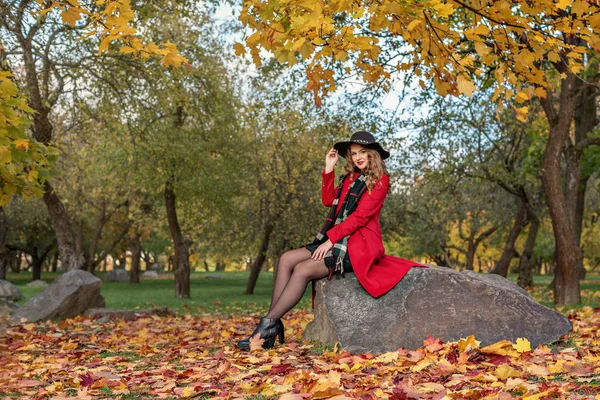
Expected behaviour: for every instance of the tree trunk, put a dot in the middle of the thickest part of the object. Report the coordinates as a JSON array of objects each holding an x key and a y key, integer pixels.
[
  {"x": 36, "y": 266},
  {"x": 470, "y": 255},
  {"x": 525, "y": 279},
  {"x": 146, "y": 256},
  {"x": 501, "y": 267},
  {"x": 181, "y": 263},
  {"x": 220, "y": 266},
  {"x": 15, "y": 264},
  {"x": 260, "y": 259},
  {"x": 566, "y": 289},
  {"x": 136, "y": 254},
  {"x": 54, "y": 265},
  {"x": 42, "y": 129},
  {"x": 70, "y": 258},
  {"x": 585, "y": 122},
  {"x": 91, "y": 266}
]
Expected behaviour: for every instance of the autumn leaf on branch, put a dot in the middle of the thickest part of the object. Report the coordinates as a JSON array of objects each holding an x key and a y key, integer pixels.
[{"x": 111, "y": 21}]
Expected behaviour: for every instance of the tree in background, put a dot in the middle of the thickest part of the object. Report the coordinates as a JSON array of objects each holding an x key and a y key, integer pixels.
[{"x": 45, "y": 46}]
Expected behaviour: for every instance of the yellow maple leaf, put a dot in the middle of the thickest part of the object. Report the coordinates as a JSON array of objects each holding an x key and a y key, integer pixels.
[
  {"x": 413, "y": 24},
  {"x": 465, "y": 85},
  {"x": 521, "y": 97},
  {"x": 239, "y": 49},
  {"x": 468, "y": 344},
  {"x": 537, "y": 370},
  {"x": 21, "y": 144},
  {"x": 444, "y": 10},
  {"x": 71, "y": 15},
  {"x": 522, "y": 113},
  {"x": 563, "y": 4},
  {"x": 557, "y": 368},
  {"x": 256, "y": 342},
  {"x": 188, "y": 391},
  {"x": 505, "y": 371},
  {"x": 539, "y": 395},
  {"x": 522, "y": 345}
]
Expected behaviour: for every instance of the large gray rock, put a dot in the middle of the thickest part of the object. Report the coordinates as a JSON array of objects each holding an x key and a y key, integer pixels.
[
  {"x": 9, "y": 291},
  {"x": 440, "y": 302},
  {"x": 67, "y": 296},
  {"x": 116, "y": 275}
]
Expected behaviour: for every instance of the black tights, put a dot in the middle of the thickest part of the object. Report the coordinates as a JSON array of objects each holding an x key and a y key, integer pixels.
[{"x": 295, "y": 270}]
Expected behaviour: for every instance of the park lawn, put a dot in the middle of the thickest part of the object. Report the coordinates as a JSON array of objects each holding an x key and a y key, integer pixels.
[{"x": 226, "y": 294}]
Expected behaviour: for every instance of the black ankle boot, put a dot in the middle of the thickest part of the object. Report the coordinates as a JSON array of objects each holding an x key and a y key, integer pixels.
[{"x": 269, "y": 329}]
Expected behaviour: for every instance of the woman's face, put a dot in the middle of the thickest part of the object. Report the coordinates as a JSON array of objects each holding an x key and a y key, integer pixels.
[{"x": 359, "y": 156}]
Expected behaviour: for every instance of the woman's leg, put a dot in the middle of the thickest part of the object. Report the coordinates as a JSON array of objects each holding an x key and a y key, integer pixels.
[
  {"x": 303, "y": 273},
  {"x": 287, "y": 262}
]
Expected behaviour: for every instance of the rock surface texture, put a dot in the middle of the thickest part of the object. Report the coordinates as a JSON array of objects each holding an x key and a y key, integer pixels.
[
  {"x": 440, "y": 302},
  {"x": 67, "y": 296},
  {"x": 9, "y": 292},
  {"x": 116, "y": 275}
]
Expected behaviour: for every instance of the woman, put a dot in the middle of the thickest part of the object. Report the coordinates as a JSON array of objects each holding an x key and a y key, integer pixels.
[{"x": 350, "y": 240}]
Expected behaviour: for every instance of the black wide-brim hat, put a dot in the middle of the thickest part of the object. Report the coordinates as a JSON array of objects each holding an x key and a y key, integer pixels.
[{"x": 363, "y": 138}]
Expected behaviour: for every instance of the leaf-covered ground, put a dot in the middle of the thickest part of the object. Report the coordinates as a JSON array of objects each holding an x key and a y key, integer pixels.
[{"x": 194, "y": 356}]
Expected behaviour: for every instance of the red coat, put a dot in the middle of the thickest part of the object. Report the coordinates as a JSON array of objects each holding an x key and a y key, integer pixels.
[{"x": 376, "y": 271}]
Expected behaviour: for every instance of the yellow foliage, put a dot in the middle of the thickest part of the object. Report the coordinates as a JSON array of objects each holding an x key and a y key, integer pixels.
[
  {"x": 112, "y": 23},
  {"x": 505, "y": 35}
]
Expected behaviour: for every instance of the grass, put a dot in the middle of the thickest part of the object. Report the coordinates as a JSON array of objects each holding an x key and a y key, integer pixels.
[{"x": 226, "y": 294}]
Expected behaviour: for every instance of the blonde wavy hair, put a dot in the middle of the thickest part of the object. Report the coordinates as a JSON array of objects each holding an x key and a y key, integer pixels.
[{"x": 374, "y": 170}]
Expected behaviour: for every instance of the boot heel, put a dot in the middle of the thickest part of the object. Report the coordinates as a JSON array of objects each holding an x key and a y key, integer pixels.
[
  {"x": 269, "y": 343},
  {"x": 281, "y": 337}
]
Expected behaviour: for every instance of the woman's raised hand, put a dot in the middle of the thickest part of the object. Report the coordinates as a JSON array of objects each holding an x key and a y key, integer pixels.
[{"x": 330, "y": 160}]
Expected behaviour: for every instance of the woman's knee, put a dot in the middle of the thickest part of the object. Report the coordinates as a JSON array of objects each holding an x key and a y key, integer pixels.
[
  {"x": 286, "y": 261},
  {"x": 291, "y": 258},
  {"x": 310, "y": 269}
]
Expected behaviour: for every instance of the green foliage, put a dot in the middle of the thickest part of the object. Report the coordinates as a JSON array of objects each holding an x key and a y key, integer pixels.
[{"x": 25, "y": 164}]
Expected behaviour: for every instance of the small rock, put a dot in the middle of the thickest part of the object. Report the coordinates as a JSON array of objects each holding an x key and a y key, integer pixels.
[
  {"x": 37, "y": 283},
  {"x": 116, "y": 275},
  {"x": 111, "y": 313},
  {"x": 149, "y": 275},
  {"x": 9, "y": 291},
  {"x": 213, "y": 277},
  {"x": 67, "y": 296},
  {"x": 156, "y": 267}
]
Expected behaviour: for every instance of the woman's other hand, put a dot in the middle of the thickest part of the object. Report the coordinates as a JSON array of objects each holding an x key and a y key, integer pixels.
[
  {"x": 330, "y": 160},
  {"x": 320, "y": 252}
]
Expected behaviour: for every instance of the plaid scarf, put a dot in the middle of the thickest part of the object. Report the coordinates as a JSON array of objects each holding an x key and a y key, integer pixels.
[{"x": 355, "y": 191}]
